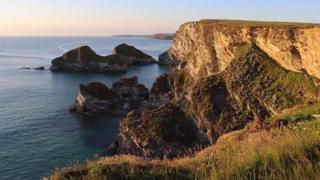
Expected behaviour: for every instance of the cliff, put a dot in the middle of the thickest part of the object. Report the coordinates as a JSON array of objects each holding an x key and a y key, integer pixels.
[
  {"x": 227, "y": 77},
  {"x": 249, "y": 91},
  {"x": 209, "y": 46}
]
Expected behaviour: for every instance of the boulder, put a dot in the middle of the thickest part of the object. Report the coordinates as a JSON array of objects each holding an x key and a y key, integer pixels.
[{"x": 132, "y": 55}]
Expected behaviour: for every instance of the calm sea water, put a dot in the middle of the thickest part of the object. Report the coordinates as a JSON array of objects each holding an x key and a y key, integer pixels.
[{"x": 37, "y": 134}]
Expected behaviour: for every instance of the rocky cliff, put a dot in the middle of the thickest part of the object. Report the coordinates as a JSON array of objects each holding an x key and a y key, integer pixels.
[
  {"x": 229, "y": 75},
  {"x": 209, "y": 46}
]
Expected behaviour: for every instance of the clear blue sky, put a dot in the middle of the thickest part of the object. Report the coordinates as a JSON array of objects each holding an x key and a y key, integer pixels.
[{"x": 107, "y": 17}]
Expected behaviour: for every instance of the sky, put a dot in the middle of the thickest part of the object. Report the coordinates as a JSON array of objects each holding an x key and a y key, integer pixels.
[{"x": 112, "y": 17}]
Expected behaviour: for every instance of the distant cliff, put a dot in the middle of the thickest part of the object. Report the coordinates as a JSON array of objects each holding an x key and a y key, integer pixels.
[
  {"x": 208, "y": 46},
  {"x": 161, "y": 36}
]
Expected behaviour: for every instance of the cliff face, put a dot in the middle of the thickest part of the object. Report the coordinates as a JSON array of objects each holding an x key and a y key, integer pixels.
[
  {"x": 229, "y": 75},
  {"x": 208, "y": 47}
]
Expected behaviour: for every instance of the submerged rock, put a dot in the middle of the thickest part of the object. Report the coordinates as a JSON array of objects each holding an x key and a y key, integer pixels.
[
  {"x": 40, "y": 68},
  {"x": 96, "y": 98},
  {"x": 132, "y": 55}
]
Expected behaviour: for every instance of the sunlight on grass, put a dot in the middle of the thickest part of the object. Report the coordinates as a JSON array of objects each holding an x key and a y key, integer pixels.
[{"x": 279, "y": 153}]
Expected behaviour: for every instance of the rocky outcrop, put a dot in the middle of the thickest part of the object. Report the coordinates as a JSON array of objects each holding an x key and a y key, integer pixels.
[
  {"x": 96, "y": 98},
  {"x": 84, "y": 59},
  {"x": 131, "y": 55}
]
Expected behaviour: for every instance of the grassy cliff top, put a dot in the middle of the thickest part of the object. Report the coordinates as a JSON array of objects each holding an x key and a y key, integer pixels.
[
  {"x": 284, "y": 153},
  {"x": 258, "y": 23}
]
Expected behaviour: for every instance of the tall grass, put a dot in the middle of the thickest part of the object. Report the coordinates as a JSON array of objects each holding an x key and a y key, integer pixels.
[{"x": 286, "y": 153}]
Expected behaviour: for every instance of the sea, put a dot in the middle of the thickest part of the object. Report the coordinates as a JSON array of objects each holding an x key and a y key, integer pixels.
[{"x": 37, "y": 133}]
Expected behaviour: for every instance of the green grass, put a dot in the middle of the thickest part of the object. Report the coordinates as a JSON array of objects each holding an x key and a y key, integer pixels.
[
  {"x": 289, "y": 87},
  {"x": 242, "y": 50},
  {"x": 258, "y": 23},
  {"x": 307, "y": 112},
  {"x": 285, "y": 153}
]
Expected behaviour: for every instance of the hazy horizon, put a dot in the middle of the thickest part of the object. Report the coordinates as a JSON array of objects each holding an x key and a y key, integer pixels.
[{"x": 141, "y": 17}]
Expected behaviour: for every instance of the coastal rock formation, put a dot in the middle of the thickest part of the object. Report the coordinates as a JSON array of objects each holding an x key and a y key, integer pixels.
[
  {"x": 84, "y": 59},
  {"x": 132, "y": 55},
  {"x": 253, "y": 87},
  {"x": 231, "y": 75},
  {"x": 96, "y": 98}
]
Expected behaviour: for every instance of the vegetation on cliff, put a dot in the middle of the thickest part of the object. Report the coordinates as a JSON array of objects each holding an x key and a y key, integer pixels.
[{"x": 284, "y": 153}]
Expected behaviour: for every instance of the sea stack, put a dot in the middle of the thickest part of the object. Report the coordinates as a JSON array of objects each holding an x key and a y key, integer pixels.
[
  {"x": 96, "y": 98},
  {"x": 84, "y": 59}
]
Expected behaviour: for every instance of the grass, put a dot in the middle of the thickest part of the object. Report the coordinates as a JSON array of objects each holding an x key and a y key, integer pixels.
[
  {"x": 285, "y": 153},
  {"x": 257, "y": 23},
  {"x": 289, "y": 87},
  {"x": 307, "y": 112}
]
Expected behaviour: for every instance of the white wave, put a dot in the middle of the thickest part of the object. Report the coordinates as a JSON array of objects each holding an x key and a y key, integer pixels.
[{"x": 22, "y": 56}]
